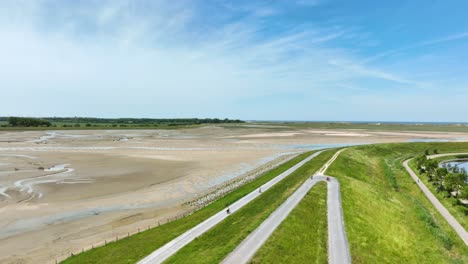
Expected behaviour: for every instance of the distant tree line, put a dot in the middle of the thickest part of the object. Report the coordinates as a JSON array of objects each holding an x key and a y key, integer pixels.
[
  {"x": 111, "y": 122},
  {"x": 92, "y": 120},
  {"x": 450, "y": 179},
  {"x": 27, "y": 122}
]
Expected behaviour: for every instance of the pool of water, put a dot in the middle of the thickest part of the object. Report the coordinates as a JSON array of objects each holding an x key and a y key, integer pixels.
[{"x": 459, "y": 164}]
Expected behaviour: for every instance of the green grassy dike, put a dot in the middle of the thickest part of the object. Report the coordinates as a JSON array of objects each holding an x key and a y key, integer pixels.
[
  {"x": 451, "y": 203},
  {"x": 134, "y": 248},
  {"x": 218, "y": 242},
  {"x": 388, "y": 219},
  {"x": 302, "y": 237}
]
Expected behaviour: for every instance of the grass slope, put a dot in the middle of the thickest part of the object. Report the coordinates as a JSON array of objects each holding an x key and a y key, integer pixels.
[
  {"x": 388, "y": 219},
  {"x": 134, "y": 248},
  {"x": 217, "y": 243},
  {"x": 458, "y": 211},
  {"x": 302, "y": 237}
]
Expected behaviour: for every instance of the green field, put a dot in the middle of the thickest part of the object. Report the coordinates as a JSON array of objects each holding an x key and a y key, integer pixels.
[
  {"x": 458, "y": 211},
  {"x": 134, "y": 248},
  {"x": 388, "y": 219},
  {"x": 302, "y": 237},
  {"x": 217, "y": 243}
]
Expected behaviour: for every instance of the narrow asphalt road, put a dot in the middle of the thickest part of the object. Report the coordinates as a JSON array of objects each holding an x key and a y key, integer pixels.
[
  {"x": 169, "y": 249},
  {"x": 338, "y": 247},
  {"x": 442, "y": 210}
]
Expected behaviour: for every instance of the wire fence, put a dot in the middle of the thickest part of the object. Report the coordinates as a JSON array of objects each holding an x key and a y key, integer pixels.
[{"x": 123, "y": 235}]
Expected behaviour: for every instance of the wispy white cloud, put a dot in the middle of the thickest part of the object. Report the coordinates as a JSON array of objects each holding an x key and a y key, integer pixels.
[
  {"x": 449, "y": 38},
  {"x": 117, "y": 58},
  {"x": 435, "y": 41}
]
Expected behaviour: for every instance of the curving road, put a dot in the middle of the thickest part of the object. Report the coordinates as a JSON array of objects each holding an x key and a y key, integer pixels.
[
  {"x": 338, "y": 247},
  {"x": 163, "y": 253},
  {"x": 442, "y": 210}
]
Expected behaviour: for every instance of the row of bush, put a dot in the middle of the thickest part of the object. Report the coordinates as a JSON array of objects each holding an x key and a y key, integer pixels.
[
  {"x": 28, "y": 122},
  {"x": 141, "y": 121},
  {"x": 107, "y": 122}
]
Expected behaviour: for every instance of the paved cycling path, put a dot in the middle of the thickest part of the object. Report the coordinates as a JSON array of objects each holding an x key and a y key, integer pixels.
[
  {"x": 169, "y": 249},
  {"x": 338, "y": 247},
  {"x": 441, "y": 208}
]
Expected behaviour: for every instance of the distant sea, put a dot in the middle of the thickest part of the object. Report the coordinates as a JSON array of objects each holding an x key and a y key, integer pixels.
[{"x": 366, "y": 122}]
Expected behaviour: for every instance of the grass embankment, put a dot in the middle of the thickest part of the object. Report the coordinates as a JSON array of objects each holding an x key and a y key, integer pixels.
[
  {"x": 452, "y": 204},
  {"x": 134, "y": 248},
  {"x": 217, "y": 243},
  {"x": 388, "y": 219},
  {"x": 302, "y": 237}
]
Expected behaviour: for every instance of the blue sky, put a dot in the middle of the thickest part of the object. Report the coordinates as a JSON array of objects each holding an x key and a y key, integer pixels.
[{"x": 263, "y": 60}]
